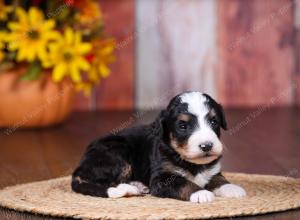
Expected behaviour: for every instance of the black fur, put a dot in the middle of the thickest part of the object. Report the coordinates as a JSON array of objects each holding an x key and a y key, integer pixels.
[{"x": 146, "y": 150}]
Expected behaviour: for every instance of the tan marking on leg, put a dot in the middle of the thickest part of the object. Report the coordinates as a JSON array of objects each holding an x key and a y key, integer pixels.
[
  {"x": 171, "y": 168},
  {"x": 186, "y": 191},
  {"x": 126, "y": 172},
  {"x": 79, "y": 180}
]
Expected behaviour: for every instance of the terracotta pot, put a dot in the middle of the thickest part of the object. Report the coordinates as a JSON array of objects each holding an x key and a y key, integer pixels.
[{"x": 37, "y": 103}]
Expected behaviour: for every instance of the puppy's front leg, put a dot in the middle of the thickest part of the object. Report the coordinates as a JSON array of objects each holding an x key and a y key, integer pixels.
[
  {"x": 173, "y": 186},
  {"x": 223, "y": 188}
]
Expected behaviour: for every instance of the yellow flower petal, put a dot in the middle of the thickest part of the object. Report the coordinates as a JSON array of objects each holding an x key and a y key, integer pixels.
[
  {"x": 74, "y": 73},
  {"x": 21, "y": 55},
  {"x": 46, "y": 63},
  {"x": 21, "y": 14},
  {"x": 85, "y": 87},
  {"x": 93, "y": 76},
  {"x": 53, "y": 35},
  {"x": 107, "y": 50},
  {"x": 104, "y": 70},
  {"x": 83, "y": 64},
  {"x": 42, "y": 54},
  {"x": 84, "y": 48},
  {"x": 48, "y": 25},
  {"x": 14, "y": 26},
  {"x": 59, "y": 72},
  {"x": 77, "y": 38},
  {"x": 30, "y": 55},
  {"x": 69, "y": 36},
  {"x": 35, "y": 15}
]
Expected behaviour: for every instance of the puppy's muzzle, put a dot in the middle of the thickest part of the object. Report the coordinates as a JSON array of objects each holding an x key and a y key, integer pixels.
[{"x": 206, "y": 147}]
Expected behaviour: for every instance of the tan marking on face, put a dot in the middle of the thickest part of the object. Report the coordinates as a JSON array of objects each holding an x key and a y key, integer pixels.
[
  {"x": 181, "y": 149},
  {"x": 184, "y": 117},
  {"x": 203, "y": 160},
  {"x": 212, "y": 113},
  {"x": 176, "y": 145}
]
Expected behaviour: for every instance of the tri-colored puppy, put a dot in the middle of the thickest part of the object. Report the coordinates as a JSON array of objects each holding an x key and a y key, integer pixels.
[{"x": 177, "y": 156}]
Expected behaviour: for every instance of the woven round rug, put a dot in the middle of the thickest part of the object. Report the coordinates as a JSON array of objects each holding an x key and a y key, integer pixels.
[{"x": 54, "y": 197}]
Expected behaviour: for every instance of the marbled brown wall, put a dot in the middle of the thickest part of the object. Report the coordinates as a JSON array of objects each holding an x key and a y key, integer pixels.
[
  {"x": 176, "y": 49},
  {"x": 116, "y": 92},
  {"x": 244, "y": 53},
  {"x": 297, "y": 50},
  {"x": 256, "y": 52}
]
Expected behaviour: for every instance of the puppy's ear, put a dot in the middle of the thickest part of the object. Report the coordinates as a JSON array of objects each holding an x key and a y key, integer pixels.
[
  {"x": 159, "y": 124},
  {"x": 222, "y": 117}
]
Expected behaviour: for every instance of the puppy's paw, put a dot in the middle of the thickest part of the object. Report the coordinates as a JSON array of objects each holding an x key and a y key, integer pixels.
[
  {"x": 202, "y": 196},
  {"x": 122, "y": 190},
  {"x": 141, "y": 187},
  {"x": 230, "y": 191},
  {"x": 113, "y": 192}
]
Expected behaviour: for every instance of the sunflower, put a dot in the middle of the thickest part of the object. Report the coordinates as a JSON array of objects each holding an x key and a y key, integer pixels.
[
  {"x": 4, "y": 10},
  {"x": 31, "y": 35},
  {"x": 67, "y": 56},
  {"x": 2, "y": 45},
  {"x": 103, "y": 55}
]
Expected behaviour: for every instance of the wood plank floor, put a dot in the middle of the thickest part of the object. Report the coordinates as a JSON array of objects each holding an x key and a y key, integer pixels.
[{"x": 265, "y": 141}]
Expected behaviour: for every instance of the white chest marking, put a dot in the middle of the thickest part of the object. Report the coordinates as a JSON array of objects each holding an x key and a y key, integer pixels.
[{"x": 201, "y": 179}]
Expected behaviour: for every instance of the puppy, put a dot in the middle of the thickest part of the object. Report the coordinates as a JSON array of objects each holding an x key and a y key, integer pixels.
[{"x": 177, "y": 156}]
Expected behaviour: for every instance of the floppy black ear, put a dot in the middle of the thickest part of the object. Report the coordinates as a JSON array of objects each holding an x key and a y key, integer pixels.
[
  {"x": 222, "y": 117},
  {"x": 219, "y": 109},
  {"x": 159, "y": 124}
]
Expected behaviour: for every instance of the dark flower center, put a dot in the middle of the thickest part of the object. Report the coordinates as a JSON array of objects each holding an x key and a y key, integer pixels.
[
  {"x": 68, "y": 56},
  {"x": 33, "y": 34}
]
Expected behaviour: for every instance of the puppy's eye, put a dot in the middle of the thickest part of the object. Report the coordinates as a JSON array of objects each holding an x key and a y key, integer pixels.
[
  {"x": 182, "y": 125},
  {"x": 214, "y": 122}
]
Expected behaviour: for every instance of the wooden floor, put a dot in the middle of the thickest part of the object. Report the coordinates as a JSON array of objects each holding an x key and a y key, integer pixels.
[{"x": 265, "y": 141}]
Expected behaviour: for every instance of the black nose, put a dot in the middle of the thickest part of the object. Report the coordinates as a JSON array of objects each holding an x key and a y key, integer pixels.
[{"x": 207, "y": 146}]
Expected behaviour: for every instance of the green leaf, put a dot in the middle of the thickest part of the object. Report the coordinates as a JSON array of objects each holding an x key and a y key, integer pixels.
[{"x": 33, "y": 72}]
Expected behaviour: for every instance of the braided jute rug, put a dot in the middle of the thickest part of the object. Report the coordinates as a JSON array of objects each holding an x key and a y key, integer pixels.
[{"x": 54, "y": 198}]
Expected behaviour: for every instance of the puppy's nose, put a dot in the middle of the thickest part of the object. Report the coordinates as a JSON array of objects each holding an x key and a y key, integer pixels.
[{"x": 207, "y": 146}]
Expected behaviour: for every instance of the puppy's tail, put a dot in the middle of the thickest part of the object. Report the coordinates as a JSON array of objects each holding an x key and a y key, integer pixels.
[{"x": 88, "y": 188}]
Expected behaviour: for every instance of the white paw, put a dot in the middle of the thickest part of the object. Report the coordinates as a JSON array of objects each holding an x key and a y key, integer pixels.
[
  {"x": 230, "y": 191},
  {"x": 122, "y": 190},
  {"x": 202, "y": 196},
  {"x": 141, "y": 187},
  {"x": 113, "y": 192}
]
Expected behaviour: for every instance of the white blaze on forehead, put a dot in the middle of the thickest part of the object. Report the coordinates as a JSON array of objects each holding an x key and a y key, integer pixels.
[{"x": 196, "y": 103}]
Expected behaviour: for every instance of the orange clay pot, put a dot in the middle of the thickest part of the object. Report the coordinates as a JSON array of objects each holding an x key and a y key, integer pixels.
[{"x": 38, "y": 103}]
